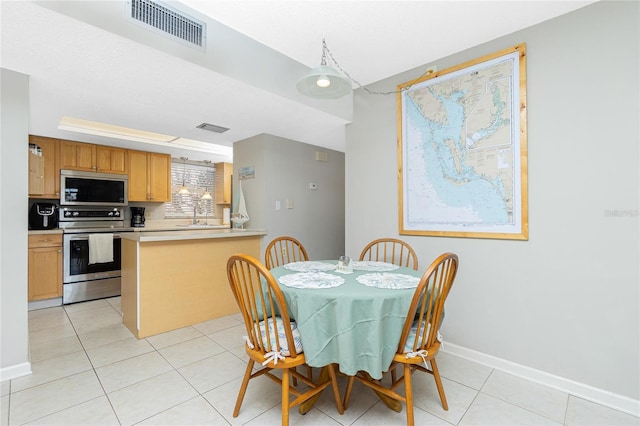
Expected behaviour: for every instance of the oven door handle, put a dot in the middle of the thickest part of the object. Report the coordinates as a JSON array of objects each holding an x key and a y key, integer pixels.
[{"x": 85, "y": 237}]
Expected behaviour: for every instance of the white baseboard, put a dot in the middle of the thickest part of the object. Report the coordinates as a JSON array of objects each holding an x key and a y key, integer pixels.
[
  {"x": 600, "y": 396},
  {"x": 42, "y": 304},
  {"x": 15, "y": 371}
]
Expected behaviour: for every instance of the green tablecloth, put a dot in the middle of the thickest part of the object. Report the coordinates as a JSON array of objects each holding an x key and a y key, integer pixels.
[{"x": 355, "y": 326}]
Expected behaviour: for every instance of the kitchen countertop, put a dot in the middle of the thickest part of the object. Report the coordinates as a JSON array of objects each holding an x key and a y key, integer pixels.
[
  {"x": 45, "y": 231},
  {"x": 174, "y": 227},
  {"x": 191, "y": 234},
  {"x": 167, "y": 228}
]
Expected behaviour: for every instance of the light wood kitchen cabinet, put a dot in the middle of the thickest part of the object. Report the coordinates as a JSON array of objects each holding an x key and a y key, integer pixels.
[
  {"x": 36, "y": 174},
  {"x": 149, "y": 176},
  {"x": 170, "y": 283},
  {"x": 45, "y": 266},
  {"x": 47, "y": 183},
  {"x": 77, "y": 156},
  {"x": 111, "y": 160},
  {"x": 92, "y": 158},
  {"x": 223, "y": 183}
]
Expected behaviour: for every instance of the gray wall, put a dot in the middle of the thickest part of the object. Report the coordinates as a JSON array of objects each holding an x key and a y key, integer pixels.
[
  {"x": 14, "y": 347},
  {"x": 283, "y": 171},
  {"x": 565, "y": 302}
]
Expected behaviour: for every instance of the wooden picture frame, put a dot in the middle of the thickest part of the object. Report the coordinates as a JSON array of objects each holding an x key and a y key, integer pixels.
[{"x": 462, "y": 150}]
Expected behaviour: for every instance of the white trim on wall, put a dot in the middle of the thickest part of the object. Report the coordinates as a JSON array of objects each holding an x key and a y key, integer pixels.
[
  {"x": 15, "y": 371},
  {"x": 599, "y": 396}
]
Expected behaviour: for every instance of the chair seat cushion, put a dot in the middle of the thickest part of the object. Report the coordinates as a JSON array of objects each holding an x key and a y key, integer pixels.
[
  {"x": 282, "y": 338},
  {"x": 408, "y": 347}
]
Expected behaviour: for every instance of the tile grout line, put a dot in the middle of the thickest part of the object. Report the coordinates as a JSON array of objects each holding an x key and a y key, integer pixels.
[
  {"x": 157, "y": 350},
  {"x": 93, "y": 366}
]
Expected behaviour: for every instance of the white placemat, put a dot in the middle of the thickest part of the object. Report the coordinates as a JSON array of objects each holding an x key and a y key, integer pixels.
[
  {"x": 309, "y": 266},
  {"x": 387, "y": 280},
  {"x": 370, "y": 265},
  {"x": 311, "y": 280}
]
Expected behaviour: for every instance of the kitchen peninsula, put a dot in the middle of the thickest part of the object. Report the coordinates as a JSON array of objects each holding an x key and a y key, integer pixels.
[{"x": 178, "y": 278}]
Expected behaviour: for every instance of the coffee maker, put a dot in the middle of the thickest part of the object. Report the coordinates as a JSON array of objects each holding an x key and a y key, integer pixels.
[{"x": 137, "y": 217}]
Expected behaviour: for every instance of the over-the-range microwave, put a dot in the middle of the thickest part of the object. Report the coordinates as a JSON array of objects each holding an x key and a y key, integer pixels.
[{"x": 78, "y": 188}]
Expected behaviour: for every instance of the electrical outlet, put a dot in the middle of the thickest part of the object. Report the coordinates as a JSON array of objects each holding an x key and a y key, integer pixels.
[{"x": 284, "y": 251}]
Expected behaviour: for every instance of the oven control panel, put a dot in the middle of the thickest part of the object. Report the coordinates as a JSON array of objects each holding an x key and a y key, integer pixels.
[
  {"x": 92, "y": 214},
  {"x": 77, "y": 217}
]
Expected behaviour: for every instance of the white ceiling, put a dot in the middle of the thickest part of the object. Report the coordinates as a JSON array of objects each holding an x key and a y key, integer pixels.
[{"x": 87, "y": 72}]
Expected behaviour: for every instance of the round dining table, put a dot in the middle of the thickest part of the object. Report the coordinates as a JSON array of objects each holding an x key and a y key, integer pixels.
[{"x": 351, "y": 319}]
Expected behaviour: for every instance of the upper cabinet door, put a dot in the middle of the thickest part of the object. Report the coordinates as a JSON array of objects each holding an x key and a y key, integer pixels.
[
  {"x": 149, "y": 176},
  {"x": 111, "y": 160},
  {"x": 36, "y": 174},
  {"x": 77, "y": 156},
  {"x": 159, "y": 177},
  {"x": 51, "y": 174},
  {"x": 138, "y": 172},
  {"x": 92, "y": 158},
  {"x": 223, "y": 183}
]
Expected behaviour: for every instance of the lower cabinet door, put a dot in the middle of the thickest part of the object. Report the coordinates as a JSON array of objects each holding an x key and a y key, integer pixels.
[{"x": 45, "y": 273}]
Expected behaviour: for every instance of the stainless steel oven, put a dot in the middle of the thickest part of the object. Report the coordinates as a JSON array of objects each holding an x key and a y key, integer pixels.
[{"x": 83, "y": 280}]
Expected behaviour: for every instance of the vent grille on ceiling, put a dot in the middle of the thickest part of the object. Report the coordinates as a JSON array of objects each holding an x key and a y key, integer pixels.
[
  {"x": 212, "y": 128},
  {"x": 168, "y": 21}
]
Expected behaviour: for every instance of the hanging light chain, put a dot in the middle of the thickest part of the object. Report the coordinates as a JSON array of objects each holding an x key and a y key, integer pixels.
[
  {"x": 325, "y": 48},
  {"x": 323, "y": 60}
]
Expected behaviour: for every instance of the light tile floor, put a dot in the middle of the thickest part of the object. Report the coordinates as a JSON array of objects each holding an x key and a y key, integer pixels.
[{"x": 88, "y": 369}]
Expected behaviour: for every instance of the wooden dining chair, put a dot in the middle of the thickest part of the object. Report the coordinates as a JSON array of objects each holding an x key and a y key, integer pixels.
[
  {"x": 391, "y": 250},
  {"x": 272, "y": 338},
  {"x": 283, "y": 250},
  {"x": 420, "y": 339}
]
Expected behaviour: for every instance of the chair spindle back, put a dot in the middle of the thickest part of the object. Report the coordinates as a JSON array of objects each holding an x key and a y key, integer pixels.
[
  {"x": 283, "y": 250},
  {"x": 260, "y": 301}
]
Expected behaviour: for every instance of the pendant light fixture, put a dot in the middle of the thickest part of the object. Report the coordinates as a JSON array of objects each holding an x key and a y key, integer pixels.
[
  {"x": 324, "y": 82},
  {"x": 183, "y": 189},
  {"x": 206, "y": 195}
]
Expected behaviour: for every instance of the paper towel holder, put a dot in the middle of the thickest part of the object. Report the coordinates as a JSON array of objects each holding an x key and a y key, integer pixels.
[{"x": 226, "y": 216}]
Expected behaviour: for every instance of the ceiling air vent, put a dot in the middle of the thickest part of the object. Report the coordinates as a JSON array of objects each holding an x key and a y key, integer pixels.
[
  {"x": 212, "y": 128},
  {"x": 168, "y": 21}
]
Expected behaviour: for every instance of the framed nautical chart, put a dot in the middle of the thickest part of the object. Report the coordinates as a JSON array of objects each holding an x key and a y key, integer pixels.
[{"x": 462, "y": 150}]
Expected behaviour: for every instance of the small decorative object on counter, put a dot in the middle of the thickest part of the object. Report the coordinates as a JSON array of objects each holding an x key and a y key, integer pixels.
[
  {"x": 226, "y": 216},
  {"x": 344, "y": 265},
  {"x": 240, "y": 216}
]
